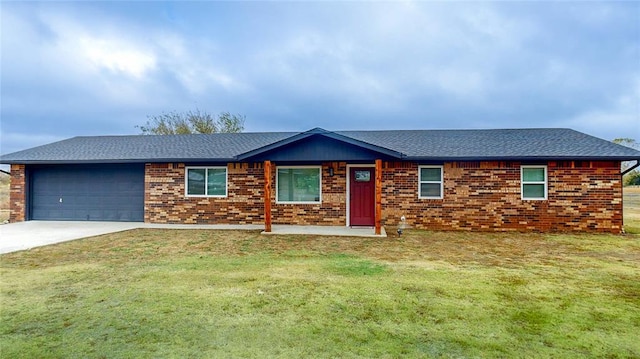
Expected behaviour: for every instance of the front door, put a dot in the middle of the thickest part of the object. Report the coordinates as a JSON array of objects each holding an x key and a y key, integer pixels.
[{"x": 362, "y": 192}]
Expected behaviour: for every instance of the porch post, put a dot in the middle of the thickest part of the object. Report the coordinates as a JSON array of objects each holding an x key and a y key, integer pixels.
[
  {"x": 267, "y": 196},
  {"x": 378, "y": 215}
]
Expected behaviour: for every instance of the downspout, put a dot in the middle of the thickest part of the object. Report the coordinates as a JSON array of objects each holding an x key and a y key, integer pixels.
[
  {"x": 631, "y": 168},
  {"x": 622, "y": 174}
]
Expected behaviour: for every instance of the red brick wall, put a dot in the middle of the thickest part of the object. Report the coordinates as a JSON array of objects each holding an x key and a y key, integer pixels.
[
  {"x": 486, "y": 196},
  {"x": 582, "y": 196},
  {"x": 17, "y": 194},
  {"x": 165, "y": 200}
]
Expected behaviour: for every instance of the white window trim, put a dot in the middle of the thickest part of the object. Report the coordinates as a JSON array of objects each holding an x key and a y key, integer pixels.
[
  {"x": 299, "y": 202},
  {"x": 206, "y": 175},
  {"x": 545, "y": 183},
  {"x": 441, "y": 182}
]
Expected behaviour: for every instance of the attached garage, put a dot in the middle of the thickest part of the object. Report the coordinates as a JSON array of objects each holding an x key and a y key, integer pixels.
[{"x": 105, "y": 192}]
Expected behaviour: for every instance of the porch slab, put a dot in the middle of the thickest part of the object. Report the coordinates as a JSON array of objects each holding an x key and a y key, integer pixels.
[
  {"x": 326, "y": 231},
  {"x": 279, "y": 229}
]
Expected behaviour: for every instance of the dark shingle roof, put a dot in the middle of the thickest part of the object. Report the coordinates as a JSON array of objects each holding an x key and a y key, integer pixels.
[
  {"x": 509, "y": 144},
  {"x": 224, "y": 146},
  {"x": 542, "y": 143}
]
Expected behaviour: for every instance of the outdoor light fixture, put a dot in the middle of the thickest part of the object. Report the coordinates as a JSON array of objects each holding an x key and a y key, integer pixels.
[{"x": 330, "y": 171}]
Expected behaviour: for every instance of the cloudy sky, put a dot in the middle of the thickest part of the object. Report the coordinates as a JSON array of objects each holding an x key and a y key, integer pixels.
[{"x": 97, "y": 68}]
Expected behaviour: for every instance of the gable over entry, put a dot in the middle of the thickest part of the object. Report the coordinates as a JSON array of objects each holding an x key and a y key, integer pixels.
[{"x": 319, "y": 145}]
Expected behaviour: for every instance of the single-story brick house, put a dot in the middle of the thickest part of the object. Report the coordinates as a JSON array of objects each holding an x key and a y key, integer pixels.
[{"x": 489, "y": 180}]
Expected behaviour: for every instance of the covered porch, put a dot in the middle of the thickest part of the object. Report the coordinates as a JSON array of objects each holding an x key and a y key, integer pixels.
[{"x": 341, "y": 180}]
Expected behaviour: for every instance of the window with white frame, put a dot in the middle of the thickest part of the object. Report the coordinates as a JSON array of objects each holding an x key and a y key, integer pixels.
[
  {"x": 206, "y": 181},
  {"x": 533, "y": 182},
  {"x": 298, "y": 184},
  {"x": 430, "y": 182}
]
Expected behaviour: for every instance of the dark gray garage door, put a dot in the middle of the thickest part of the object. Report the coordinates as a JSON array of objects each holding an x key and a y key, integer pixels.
[{"x": 88, "y": 192}]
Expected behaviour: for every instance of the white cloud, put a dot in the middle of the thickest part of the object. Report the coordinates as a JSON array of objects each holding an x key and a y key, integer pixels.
[
  {"x": 79, "y": 46},
  {"x": 117, "y": 55},
  {"x": 193, "y": 63},
  {"x": 106, "y": 53},
  {"x": 108, "y": 61},
  {"x": 60, "y": 55}
]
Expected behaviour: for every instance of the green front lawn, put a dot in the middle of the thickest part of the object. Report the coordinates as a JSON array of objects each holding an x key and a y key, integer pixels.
[{"x": 192, "y": 293}]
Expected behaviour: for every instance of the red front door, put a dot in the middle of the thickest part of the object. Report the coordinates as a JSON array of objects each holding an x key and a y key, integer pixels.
[{"x": 362, "y": 192}]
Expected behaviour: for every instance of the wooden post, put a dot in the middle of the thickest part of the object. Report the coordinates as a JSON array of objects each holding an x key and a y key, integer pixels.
[
  {"x": 267, "y": 196},
  {"x": 378, "y": 218}
]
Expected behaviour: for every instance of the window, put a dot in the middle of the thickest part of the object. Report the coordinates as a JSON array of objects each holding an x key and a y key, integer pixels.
[
  {"x": 430, "y": 178},
  {"x": 206, "y": 181},
  {"x": 363, "y": 176},
  {"x": 533, "y": 182},
  {"x": 298, "y": 184}
]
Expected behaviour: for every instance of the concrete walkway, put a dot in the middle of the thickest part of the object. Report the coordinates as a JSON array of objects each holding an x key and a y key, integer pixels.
[
  {"x": 26, "y": 235},
  {"x": 326, "y": 231}
]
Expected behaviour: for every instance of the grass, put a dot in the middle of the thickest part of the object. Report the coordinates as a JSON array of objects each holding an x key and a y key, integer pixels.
[
  {"x": 200, "y": 294},
  {"x": 161, "y": 293}
]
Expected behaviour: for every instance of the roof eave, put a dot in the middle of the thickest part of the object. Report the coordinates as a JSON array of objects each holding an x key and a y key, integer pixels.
[
  {"x": 112, "y": 161},
  {"x": 392, "y": 154},
  {"x": 521, "y": 158}
]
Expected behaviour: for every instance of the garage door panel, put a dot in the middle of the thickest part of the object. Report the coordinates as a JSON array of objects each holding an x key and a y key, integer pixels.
[
  {"x": 39, "y": 213},
  {"x": 50, "y": 200},
  {"x": 88, "y": 192},
  {"x": 104, "y": 215}
]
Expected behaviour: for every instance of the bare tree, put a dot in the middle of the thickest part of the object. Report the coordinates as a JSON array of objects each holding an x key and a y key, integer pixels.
[{"x": 176, "y": 123}]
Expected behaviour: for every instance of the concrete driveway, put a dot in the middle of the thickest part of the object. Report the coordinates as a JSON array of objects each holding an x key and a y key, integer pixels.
[
  {"x": 30, "y": 234},
  {"x": 25, "y": 235}
]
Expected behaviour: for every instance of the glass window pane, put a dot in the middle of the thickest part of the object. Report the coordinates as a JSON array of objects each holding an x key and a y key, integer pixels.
[
  {"x": 285, "y": 190},
  {"x": 195, "y": 181},
  {"x": 306, "y": 185},
  {"x": 533, "y": 174},
  {"x": 217, "y": 182},
  {"x": 430, "y": 174},
  {"x": 299, "y": 184},
  {"x": 363, "y": 176},
  {"x": 430, "y": 190},
  {"x": 533, "y": 191}
]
